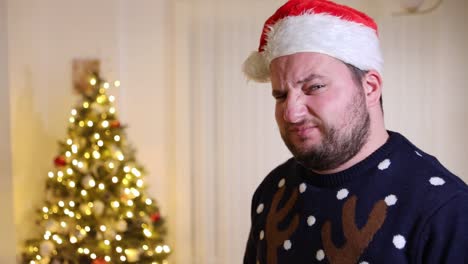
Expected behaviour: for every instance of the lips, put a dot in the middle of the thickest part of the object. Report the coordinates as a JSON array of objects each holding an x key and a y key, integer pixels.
[{"x": 301, "y": 131}]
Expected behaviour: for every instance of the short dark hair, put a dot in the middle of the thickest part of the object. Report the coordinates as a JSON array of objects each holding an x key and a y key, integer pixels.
[{"x": 357, "y": 75}]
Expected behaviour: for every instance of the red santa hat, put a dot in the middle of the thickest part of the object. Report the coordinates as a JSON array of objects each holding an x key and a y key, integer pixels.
[{"x": 316, "y": 26}]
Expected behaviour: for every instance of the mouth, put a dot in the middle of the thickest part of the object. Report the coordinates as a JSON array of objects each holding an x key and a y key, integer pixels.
[{"x": 302, "y": 131}]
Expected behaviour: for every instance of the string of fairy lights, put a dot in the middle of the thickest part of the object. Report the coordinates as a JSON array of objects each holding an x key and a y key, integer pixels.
[{"x": 74, "y": 173}]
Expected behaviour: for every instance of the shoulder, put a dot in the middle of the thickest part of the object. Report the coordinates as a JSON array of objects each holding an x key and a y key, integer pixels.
[
  {"x": 267, "y": 186},
  {"x": 444, "y": 236}
]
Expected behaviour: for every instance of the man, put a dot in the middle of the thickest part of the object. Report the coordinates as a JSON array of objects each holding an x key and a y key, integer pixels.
[{"x": 354, "y": 192}]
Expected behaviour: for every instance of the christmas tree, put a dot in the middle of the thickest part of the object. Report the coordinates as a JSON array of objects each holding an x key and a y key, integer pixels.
[{"x": 96, "y": 209}]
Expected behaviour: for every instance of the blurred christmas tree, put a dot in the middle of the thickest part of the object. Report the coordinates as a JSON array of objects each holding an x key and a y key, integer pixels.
[{"x": 96, "y": 209}]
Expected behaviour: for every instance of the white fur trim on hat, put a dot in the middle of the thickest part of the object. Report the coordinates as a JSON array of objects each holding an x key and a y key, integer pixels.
[{"x": 348, "y": 41}]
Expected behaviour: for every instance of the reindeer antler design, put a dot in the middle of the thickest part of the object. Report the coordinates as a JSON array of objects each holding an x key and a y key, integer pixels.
[
  {"x": 357, "y": 240},
  {"x": 275, "y": 237}
]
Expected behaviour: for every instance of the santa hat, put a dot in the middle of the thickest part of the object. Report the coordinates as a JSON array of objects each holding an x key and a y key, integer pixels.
[{"x": 316, "y": 26}]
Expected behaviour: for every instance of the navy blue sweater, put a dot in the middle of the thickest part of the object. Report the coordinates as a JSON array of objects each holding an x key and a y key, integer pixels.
[{"x": 399, "y": 205}]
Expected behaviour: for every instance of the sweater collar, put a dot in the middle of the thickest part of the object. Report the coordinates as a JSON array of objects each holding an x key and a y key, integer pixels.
[{"x": 339, "y": 178}]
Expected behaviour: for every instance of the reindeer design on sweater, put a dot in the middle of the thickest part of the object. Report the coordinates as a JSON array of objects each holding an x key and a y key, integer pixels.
[{"x": 357, "y": 240}]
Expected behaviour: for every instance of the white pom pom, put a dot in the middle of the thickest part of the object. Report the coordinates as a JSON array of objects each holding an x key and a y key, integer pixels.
[{"x": 256, "y": 68}]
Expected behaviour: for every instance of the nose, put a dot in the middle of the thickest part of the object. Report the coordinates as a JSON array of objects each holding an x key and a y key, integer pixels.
[{"x": 294, "y": 109}]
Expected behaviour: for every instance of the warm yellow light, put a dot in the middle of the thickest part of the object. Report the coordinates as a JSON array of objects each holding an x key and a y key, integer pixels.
[
  {"x": 105, "y": 124},
  {"x": 136, "y": 172},
  {"x": 60, "y": 173},
  {"x": 80, "y": 250},
  {"x": 127, "y": 191},
  {"x": 120, "y": 156},
  {"x": 80, "y": 165},
  {"x": 107, "y": 258},
  {"x": 72, "y": 184},
  {"x": 159, "y": 249},
  {"x": 92, "y": 183},
  {"x": 75, "y": 162},
  {"x": 51, "y": 174},
  {"x": 68, "y": 154},
  {"x": 112, "y": 110},
  {"x": 145, "y": 247},
  {"x": 117, "y": 138},
  {"x": 111, "y": 98},
  {"x": 93, "y": 81},
  {"x": 73, "y": 240},
  {"x": 125, "y": 181},
  {"x": 45, "y": 209},
  {"x": 71, "y": 203},
  {"x": 126, "y": 169},
  {"x": 74, "y": 112},
  {"x": 71, "y": 120},
  {"x": 147, "y": 232},
  {"x": 32, "y": 262},
  {"x": 135, "y": 192},
  {"x": 84, "y": 192},
  {"x": 81, "y": 123},
  {"x": 140, "y": 183},
  {"x": 107, "y": 242},
  {"x": 123, "y": 258},
  {"x": 115, "y": 204},
  {"x": 115, "y": 179},
  {"x": 117, "y": 83},
  {"x": 93, "y": 256},
  {"x": 103, "y": 228},
  {"x": 69, "y": 171},
  {"x": 78, "y": 216},
  {"x": 101, "y": 99},
  {"x": 166, "y": 249},
  {"x": 38, "y": 257},
  {"x": 87, "y": 228},
  {"x": 87, "y": 155},
  {"x": 86, "y": 251},
  {"x": 69, "y": 141},
  {"x": 90, "y": 123},
  {"x": 101, "y": 186},
  {"x": 61, "y": 203},
  {"x": 111, "y": 165},
  {"x": 148, "y": 201},
  {"x": 118, "y": 237},
  {"x": 74, "y": 149},
  {"x": 118, "y": 249},
  {"x": 96, "y": 154},
  {"x": 100, "y": 143},
  {"x": 85, "y": 105},
  {"x": 97, "y": 136},
  {"x": 129, "y": 214},
  {"x": 106, "y": 85},
  {"x": 130, "y": 203}
]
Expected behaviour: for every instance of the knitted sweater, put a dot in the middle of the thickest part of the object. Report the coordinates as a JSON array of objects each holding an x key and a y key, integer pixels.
[{"x": 399, "y": 205}]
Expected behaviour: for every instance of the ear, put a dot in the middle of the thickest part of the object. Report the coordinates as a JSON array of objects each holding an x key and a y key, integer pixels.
[{"x": 372, "y": 85}]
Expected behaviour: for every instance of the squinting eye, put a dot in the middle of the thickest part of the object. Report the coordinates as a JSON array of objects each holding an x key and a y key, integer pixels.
[{"x": 315, "y": 87}]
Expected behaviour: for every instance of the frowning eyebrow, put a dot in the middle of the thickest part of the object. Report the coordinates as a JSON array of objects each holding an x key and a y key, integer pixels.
[{"x": 309, "y": 78}]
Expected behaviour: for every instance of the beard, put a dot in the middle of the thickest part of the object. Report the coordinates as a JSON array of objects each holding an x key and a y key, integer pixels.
[{"x": 339, "y": 144}]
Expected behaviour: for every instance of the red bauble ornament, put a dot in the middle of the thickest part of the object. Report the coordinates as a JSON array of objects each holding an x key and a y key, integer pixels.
[
  {"x": 115, "y": 124},
  {"x": 155, "y": 217},
  {"x": 60, "y": 161},
  {"x": 99, "y": 261}
]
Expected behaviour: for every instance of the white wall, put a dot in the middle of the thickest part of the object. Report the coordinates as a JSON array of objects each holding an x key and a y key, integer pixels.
[
  {"x": 206, "y": 136},
  {"x": 7, "y": 228}
]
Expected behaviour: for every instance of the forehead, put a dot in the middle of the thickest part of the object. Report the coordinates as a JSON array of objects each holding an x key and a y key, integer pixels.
[{"x": 297, "y": 66}]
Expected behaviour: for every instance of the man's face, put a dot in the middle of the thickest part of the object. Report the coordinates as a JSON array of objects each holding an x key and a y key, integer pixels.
[{"x": 320, "y": 109}]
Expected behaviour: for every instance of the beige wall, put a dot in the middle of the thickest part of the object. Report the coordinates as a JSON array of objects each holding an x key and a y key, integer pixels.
[
  {"x": 7, "y": 229},
  {"x": 206, "y": 136}
]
